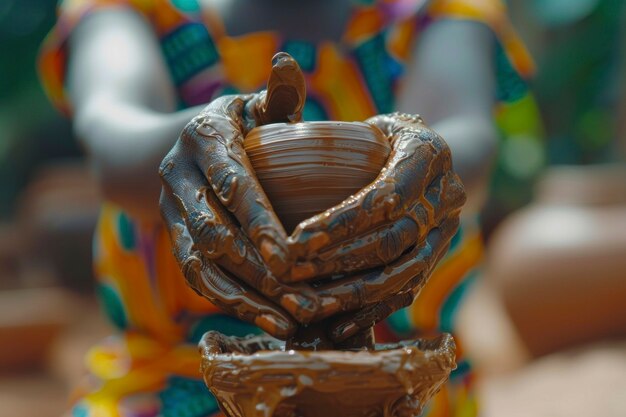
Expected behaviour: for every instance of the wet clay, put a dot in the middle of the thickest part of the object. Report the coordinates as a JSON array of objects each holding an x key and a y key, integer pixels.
[
  {"x": 381, "y": 203},
  {"x": 256, "y": 377},
  {"x": 306, "y": 168}
]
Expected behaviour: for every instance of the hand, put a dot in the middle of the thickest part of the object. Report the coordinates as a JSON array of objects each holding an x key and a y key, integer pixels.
[
  {"x": 404, "y": 221},
  {"x": 218, "y": 215},
  {"x": 374, "y": 227}
]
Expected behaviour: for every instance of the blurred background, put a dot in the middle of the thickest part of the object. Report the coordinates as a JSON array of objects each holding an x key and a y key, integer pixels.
[{"x": 546, "y": 324}]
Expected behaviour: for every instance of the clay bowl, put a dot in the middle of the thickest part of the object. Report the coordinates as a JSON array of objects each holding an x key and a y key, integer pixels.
[
  {"x": 306, "y": 168},
  {"x": 256, "y": 377}
]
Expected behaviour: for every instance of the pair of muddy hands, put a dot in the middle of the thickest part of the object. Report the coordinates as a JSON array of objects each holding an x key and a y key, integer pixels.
[{"x": 350, "y": 266}]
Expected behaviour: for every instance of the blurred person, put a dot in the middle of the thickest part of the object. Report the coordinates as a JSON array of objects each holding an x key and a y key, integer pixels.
[
  {"x": 133, "y": 73},
  {"x": 559, "y": 264}
]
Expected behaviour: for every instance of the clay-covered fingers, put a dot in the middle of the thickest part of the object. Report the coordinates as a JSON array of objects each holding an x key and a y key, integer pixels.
[
  {"x": 213, "y": 142},
  {"x": 212, "y": 282},
  {"x": 349, "y": 325},
  {"x": 214, "y": 139},
  {"x": 444, "y": 196},
  {"x": 418, "y": 156},
  {"x": 409, "y": 272},
  {"x": 239, "y": 300},
  {"x": 217, "y": 238},
  {"x": 380, "y": 247},
  {"x": 297, "y": 299}
]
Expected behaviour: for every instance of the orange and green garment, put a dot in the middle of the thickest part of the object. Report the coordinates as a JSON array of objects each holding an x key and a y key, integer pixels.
[{"x": 150, "y": 366}]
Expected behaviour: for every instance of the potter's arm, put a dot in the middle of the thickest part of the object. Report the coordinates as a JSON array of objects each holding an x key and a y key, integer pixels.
[
  {"x": 124, "y": 106},
  {"x": 452, "y": 86}
]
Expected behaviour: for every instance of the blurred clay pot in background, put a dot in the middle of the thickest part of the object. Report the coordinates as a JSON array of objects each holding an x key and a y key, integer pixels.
[
  {"x": 560, "y": 263},
  {"x": 306, "y": 168}
]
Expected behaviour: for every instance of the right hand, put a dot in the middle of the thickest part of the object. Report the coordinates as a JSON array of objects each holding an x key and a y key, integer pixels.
[
  {"x": 387, "y": 238},
  {"x": 225, "y": 235}
]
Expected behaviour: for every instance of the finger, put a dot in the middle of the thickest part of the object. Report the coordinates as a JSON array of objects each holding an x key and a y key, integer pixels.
[
  {"x": 241, "y": 301},
  {"x": 216, "y": 343},
  {"x": 219, "y": 239},
  {"x": 443, "y": 197},
  {"x": 351, "y": 324},
  {"x": 185, "y": 189},
  {"x": 408, "y": 272},
  {"x": 208, "y": 280},
  {"x": 418, "y": 156},
  {"x": 282, "y": 101},
  {"x": 380, "y": 247},
  {"x": 298, "y": 299}
]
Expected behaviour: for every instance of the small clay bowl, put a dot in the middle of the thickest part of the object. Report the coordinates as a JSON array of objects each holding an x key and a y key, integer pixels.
[
  {"x": 306, "y": 168},
  {"x": 253, "y": 377}
]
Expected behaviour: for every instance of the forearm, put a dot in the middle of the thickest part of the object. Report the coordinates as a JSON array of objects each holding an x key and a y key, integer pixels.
[
  {"x": 453, "y": 87},
  {"x": 473, "y": 141},
  {"x": 126, "y": 143},
  {"x": 124, "y": 106}
]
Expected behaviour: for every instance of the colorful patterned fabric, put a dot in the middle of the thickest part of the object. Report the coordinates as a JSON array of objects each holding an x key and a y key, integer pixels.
[{"x": 151, "y": 367}]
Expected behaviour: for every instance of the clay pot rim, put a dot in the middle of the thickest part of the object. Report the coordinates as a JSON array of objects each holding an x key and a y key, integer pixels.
[
  {"x": 303, "y": 132},
  {"x": 442, "y": 346},
  {"x": 315, "y": 125},
  {"x": 403, "y": 378}
]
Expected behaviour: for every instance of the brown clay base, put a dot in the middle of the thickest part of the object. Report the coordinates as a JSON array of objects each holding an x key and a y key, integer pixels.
[{"x": 256, "y": 377}]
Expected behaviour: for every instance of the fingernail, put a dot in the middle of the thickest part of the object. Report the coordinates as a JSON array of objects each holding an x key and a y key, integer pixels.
[
  {"x": 317, "y": 241},
  {"x": 302, "y": 308},
  {"x": 303, "y": 271},
  {"x": 295, "y": 302},
  {"x": 274, "y": 256},
  {"x": 271, "y": 324},
  {"x": 344, "y": 331}
]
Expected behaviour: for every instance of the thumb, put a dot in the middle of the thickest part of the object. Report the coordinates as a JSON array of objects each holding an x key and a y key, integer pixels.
[{"x": 286, "y": 91}]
